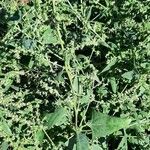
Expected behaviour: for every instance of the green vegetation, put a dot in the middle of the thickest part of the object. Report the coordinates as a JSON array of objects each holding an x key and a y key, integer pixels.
[{"x": 74, "y": 75}]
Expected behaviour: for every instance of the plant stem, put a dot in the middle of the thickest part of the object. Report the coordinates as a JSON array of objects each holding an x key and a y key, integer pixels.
[
  {"x": 52, "y": 143},
  {"x": 54, "y": 10}
]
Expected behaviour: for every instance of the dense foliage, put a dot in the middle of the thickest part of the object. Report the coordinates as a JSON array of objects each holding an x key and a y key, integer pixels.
[{"x": 75, "y": 74}]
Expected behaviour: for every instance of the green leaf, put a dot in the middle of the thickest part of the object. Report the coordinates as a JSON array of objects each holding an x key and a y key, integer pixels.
[
  {"x": 75, "y": 85},
  {"x": 128, "y": 75},
  {"x": 85, "y": 99},
  {"x": 60, "y": 77},
  {"x": 103, "y": 91},
  {"x": 2, "y": 113},
  {"x": 111, "y": 63},
  {"x": 57, "y": 118},
  {"x": 71, "y": 143},
  {"x": 4, "y": 146},
  {"x": 31, "y": 63},
  {"x": 43, "y": 60},
  {"x": 89, "y": 13},
  {"x": 82, "y": 142},
  {"x": 103, "y": 124},
  {"x": 122, "y": 144},
  {"x": 96, "y": 147},
  {"x": 49, "y": 37},
  {"x": 39, "y": 135},
  {"x": 147, "y": 25},
  {"x": 5, "y": 129},
  {"x": 28, "y": 43},
  {"x": 113, "y": 84},
  {"x": 8, "y": 83}
]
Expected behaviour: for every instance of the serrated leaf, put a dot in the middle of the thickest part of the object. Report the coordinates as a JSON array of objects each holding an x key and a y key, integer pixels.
[
  {"x": 86, "y": 98},
  {"x": 82, "y": 142},
  {"x": 57, "y": 118},
  {"x": 49, "y": 37},
  {"x": 103, "y": 124},
  {"x": 111, "y": 63}
]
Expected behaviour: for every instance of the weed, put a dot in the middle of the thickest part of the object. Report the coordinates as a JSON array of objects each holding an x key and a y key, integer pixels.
[{"x": 74, "y": 75}]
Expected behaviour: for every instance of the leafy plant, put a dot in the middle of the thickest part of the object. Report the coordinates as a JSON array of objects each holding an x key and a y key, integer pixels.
[{"x": 74, "y": 75}]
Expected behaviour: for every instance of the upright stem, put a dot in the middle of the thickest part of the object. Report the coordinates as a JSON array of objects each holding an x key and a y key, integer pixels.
[{"x": 54, "y": 10}]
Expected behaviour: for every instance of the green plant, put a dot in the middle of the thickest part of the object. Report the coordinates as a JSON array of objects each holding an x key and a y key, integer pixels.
[{"x": 74, "y": 75}]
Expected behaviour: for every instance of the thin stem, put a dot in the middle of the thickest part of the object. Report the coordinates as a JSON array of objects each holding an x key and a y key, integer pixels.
[
  {"x": 140, "y": 122},
  {"x": 60, "y": 38},
  {"x": 75, "y": 12},
  {"x": 125, "y": 134},
  {"x": 52, "y": 143},
  {"x": 54, "y": 9},
  {"x": 76, "y": 118},
  {"x": 83, "y": 118}
]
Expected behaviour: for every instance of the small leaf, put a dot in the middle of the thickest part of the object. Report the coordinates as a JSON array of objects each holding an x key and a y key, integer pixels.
[
  {"x": 71, "y": 143},
  {"x": 86, "y": 98},
  {"x": 60, "y": 77},
  {"x": 96, "y": 147},
  {"x": 49, "y": 37},
  {"x": 57, "y": 118},
  {"x": 2, "y": 113},
  {"x": 31, "y": 63},
  {"x": 28, "y": 43},
  {"x": 4, "y": 128},
  {"x": 122, "y": 143},
  {"x": 39, "y": 136},
  {"x": 128, "y": 75},
  {"x": 89, "y": 14},
  {"x": 8, "y": 83},
  {"x": 147, "y": 25},
  {"x": 43, "y": 60},
  {"x": 102, "y": 91},
  {"x": 75, "y": 85},
  {"x": 113, "y": 84},
  {"x": 103, "y": 124},
  {"x": 111, "y": 63},
  {"x": 82, "y": 142}
]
